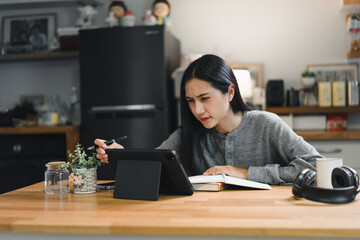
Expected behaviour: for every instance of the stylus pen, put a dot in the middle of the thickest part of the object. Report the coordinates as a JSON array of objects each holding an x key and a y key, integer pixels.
[{"x": 93, "y": 147}]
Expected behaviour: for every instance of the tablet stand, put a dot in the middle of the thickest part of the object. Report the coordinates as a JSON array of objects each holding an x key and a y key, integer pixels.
[{"x": 138, "y": 179}]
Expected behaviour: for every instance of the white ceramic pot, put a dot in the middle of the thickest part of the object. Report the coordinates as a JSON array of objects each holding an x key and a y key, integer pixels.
[
  {"x": 308, "y": 81},
  {"x": 84, "y": 180}
]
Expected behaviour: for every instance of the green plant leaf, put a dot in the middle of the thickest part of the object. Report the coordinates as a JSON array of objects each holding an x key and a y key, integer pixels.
[
  {"x": 307, "y": 73},
  {"x": 79, "y": 159}
]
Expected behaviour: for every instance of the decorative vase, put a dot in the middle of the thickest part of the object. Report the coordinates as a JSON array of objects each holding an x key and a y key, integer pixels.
[{"x": 84, "y": 180}]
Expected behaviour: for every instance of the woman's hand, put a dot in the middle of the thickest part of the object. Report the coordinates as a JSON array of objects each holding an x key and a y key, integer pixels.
[
  {"x": 228, "y": 170},
  {"x": 101, "y": 154}
]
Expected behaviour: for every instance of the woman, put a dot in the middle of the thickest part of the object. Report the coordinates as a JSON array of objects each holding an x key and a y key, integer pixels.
[{"x": 219, "y": 133}]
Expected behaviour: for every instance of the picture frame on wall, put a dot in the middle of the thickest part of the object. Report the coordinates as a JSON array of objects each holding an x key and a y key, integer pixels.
[
  {"x": 35, "y": 99},
  {"x": 335, "y": 72},
  {"x": 249, "y": 78},
  {"x": 255, "y": 72},
  {"x": 26, "y": 33}
]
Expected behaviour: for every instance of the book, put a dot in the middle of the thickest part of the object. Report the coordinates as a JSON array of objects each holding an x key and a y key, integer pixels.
[
  {"x": 336, "y": 121},
  {"x": 213, "y": 187},
  {"x": 222, "y": 178},
  {"x": 324, "y": 94},
  {"x": 338, "y": 94}
]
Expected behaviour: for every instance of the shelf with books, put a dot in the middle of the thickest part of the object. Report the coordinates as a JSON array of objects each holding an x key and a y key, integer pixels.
[{"x": 320, "y": 134}]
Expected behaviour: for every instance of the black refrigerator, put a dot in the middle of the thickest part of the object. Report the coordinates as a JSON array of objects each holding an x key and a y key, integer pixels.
[{"x": 126, "y": 86}]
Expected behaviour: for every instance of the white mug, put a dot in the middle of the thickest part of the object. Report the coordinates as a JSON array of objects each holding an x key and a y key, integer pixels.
[{"x": 324, "y": 168}]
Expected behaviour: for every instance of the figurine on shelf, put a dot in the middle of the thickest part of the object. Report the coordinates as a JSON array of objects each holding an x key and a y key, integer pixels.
[
  {"x": 86, "y": 14},
  {"x": 161, "y": 10},
  {"x": 149, "y": 19},
  {"x": 111, "y": 21},
  {"x": 128, "y": 20},
  {"x": 355, "y": 45},
  {"x": 119, "y": 9}
]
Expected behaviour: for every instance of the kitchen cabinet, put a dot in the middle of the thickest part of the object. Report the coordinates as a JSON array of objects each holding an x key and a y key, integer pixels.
[
  {"x": 23, "y": 158},
  {"x": 26, "y": 150},
  {"x": 71, "y": 133}
]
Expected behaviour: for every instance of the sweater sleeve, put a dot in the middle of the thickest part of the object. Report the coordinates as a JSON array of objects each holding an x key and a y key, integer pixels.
[
  {"x": 173, "y": 142},
  {"x": 293, "y": 154}
]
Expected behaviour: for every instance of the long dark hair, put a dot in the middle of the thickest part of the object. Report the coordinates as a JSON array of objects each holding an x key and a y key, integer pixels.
[{"x": 218, "y": 73}]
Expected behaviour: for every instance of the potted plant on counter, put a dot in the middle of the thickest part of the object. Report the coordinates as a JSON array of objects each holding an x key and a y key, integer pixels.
[{"x": 83, "y": 168}]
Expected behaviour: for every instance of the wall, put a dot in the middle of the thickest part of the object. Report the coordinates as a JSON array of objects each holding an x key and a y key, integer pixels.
[{"x": 283, "y": 35}]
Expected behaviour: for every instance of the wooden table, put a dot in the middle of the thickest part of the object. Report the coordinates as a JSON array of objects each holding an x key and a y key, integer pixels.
[{"x": 233, "y": 213}]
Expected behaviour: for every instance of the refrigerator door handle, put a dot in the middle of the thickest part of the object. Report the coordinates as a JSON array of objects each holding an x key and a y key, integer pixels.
[{"x": 123, "y": 108}]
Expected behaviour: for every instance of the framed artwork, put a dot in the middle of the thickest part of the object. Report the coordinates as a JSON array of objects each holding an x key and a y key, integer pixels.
[
  {"x": 28, "y": 30},
  {"x": 335, "y": 72},
  {"x": 249, "y": 78},
  {"x": 255, "y": 72},
  {"x": 36, "y": 99}
]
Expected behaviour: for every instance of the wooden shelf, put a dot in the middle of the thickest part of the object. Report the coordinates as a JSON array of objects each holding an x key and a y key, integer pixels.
[
  {"x": 320, "y": 135},
  {"x": 44, "y": 3},
  {"x": 350, "y": 5},
  {"x": 330, "y": 135},
  {"x": 312, "y": 110},
  {"x": 38, "y": 56},
  {"x": 5, "y": 2},
  {"x": 353, "y": 54}
]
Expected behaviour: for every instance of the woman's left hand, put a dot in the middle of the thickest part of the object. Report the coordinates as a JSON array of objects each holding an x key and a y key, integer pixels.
[{"x": 228, "y": 170}]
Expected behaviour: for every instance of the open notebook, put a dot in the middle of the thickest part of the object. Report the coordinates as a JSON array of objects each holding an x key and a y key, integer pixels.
[{"x": 218, "y": 182}]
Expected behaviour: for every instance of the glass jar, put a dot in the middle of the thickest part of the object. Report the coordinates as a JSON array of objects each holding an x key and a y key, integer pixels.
[{"x": 56, "y": 178}]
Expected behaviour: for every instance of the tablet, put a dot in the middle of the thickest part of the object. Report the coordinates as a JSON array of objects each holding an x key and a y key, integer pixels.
[{"x": 144, "y": 173}]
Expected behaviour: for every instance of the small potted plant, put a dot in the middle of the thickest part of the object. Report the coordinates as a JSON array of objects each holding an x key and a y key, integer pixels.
[
  {"x": 83, "y": 168},
  {"x": 308, "y": 78}
]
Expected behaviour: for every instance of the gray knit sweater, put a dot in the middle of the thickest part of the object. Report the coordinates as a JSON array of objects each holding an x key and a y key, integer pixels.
[{"x": 262, "y": 143}]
